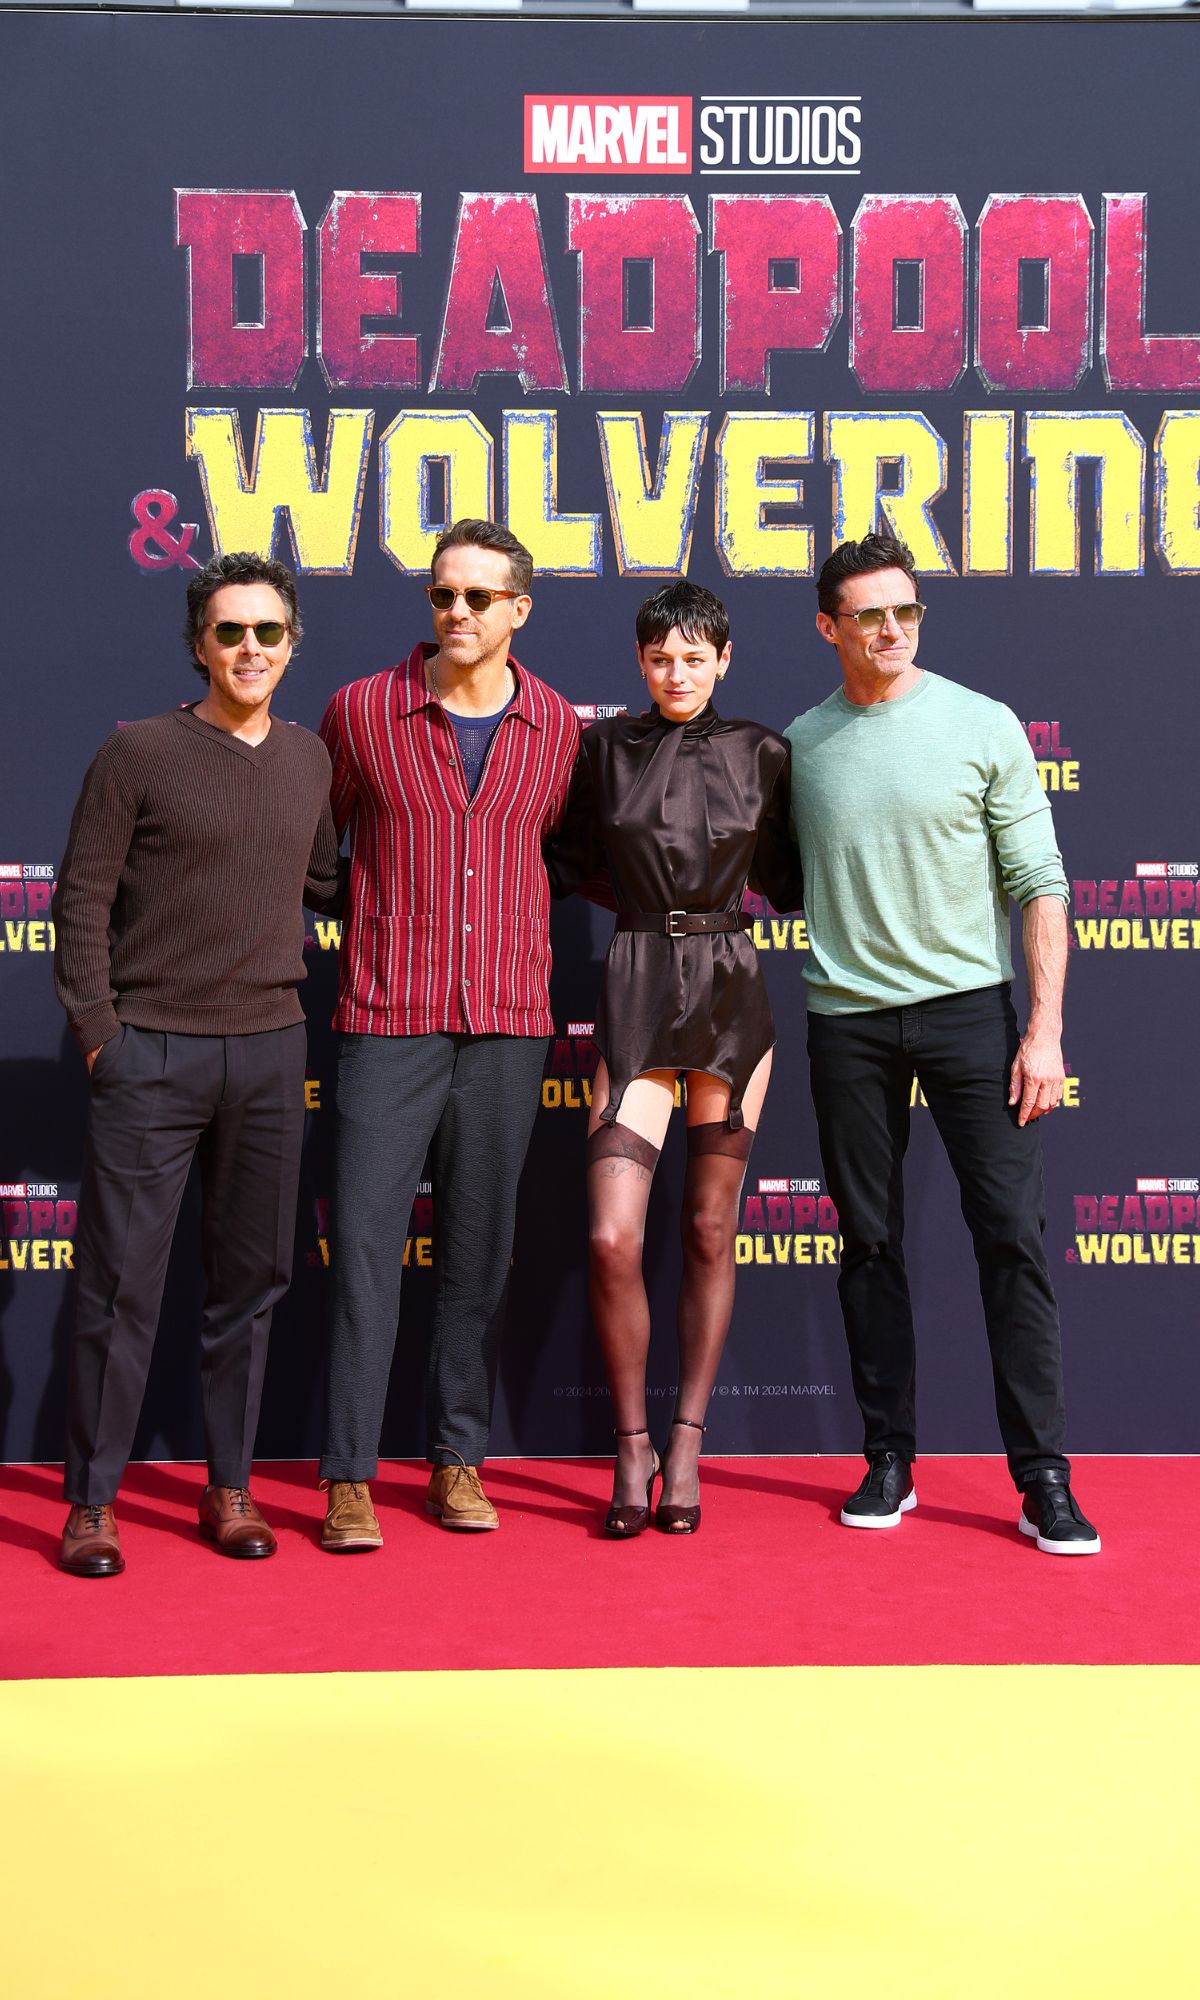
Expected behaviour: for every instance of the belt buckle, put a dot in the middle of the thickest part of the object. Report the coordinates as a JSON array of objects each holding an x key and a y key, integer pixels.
[{"x": 671, "y": 930}]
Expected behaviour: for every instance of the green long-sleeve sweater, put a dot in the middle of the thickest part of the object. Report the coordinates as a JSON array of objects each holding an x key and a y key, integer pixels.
[{"x": 917, "y": 819}]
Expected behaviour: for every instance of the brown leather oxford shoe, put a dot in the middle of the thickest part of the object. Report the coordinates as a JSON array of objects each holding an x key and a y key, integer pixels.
[
  {"x": 91, "y": 1545},
  {"x": 229, "y": 1517}
]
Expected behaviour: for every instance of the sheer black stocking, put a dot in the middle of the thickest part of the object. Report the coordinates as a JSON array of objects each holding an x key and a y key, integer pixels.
[
  {"x": 712, "y": 1186},
  {"x": 620, "y": 1171}
]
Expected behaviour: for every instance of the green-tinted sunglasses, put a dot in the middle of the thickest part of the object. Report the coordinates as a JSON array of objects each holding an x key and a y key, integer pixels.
[{"x": 268, "y": 631}]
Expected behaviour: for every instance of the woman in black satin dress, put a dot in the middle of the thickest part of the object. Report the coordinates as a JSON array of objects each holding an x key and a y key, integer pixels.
[{"x": 680, "y": 809}]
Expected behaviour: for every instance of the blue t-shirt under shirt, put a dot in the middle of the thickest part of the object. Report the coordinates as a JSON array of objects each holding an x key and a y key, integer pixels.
[{"x": 474, "y": 733}]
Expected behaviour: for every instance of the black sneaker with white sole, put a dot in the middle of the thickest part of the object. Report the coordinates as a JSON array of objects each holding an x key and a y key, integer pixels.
[
  {"x": 1051, "y": 1516},
  {"x": 885, "y": 1494}
]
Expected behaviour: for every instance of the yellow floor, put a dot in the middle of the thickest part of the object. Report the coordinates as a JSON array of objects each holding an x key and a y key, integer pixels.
[{"x": 958, "y": 1832}]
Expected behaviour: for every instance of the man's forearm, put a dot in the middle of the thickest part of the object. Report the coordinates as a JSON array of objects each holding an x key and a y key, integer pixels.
[
  {"x": 1044, "y": 936},
  {"x": 82, "y": 975},
  {"x": 101, "y": 829},
  {"x": 328, "y": 871}
]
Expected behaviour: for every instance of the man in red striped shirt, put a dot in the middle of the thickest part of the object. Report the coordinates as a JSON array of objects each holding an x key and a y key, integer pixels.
[{"x": 448, "y": 770}]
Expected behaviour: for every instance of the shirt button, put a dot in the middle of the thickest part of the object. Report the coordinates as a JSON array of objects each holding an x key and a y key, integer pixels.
[
  {"x": 470, "y": 871},
  {"x": 466, "y": 927}
]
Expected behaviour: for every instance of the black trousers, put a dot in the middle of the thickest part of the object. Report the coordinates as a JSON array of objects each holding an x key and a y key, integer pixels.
[
  {"x": 469, "y": 1102},
  {"x": 158, "y": 1100},
  {"x": 960, "y": 1049}
]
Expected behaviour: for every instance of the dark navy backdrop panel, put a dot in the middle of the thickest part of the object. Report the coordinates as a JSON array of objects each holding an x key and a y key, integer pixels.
[{"x": 107, "y": 117}]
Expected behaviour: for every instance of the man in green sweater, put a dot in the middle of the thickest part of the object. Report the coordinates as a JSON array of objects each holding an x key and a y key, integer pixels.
[
  {"x": 919, "y": 814},
  {"x": 179, "y": 949}
]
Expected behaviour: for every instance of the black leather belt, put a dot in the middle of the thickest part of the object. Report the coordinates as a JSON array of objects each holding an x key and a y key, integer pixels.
[{"x": 683, "y": 923}]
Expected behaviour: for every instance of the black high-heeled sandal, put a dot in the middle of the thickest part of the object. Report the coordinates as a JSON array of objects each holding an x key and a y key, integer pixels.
[
  {"x": 679, "y": 1520},
  {"x": 625, "y": 1522}
]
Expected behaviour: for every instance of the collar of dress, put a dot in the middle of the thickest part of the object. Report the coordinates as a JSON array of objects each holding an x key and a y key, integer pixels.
[{"x": 702, "y": 724}]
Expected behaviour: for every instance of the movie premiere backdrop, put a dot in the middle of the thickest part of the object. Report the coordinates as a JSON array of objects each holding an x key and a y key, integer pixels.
[{"x": 667, "y": 299}]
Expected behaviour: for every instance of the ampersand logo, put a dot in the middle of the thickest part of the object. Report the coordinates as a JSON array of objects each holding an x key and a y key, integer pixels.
[{"x": 154, "y": 510}]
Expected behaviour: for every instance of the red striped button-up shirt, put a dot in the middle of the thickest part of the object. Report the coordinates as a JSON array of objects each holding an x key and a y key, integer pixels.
[{"x": 447, "y": 924}]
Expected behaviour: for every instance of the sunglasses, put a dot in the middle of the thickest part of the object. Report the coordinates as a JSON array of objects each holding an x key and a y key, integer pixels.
[
  {"x": 908, "y": 616},
  {"x": 268, "y": 631},
  {"x": 443, "y": 598}
]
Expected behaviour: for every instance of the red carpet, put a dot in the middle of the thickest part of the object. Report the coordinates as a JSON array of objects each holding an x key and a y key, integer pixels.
[{"x": 771, "y": 1579}]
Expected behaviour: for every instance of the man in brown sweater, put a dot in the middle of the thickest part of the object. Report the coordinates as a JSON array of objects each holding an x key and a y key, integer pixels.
[{"x": 180, "y": 937}]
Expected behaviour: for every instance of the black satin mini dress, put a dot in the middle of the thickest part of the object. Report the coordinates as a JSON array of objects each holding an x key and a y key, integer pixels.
[{"x": 680, "y": 816}]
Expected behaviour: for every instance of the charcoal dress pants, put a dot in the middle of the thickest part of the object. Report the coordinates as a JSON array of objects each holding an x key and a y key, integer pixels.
[
  {"x": 157, "y": 1101},
  {"x": 468, "y": 1102}
]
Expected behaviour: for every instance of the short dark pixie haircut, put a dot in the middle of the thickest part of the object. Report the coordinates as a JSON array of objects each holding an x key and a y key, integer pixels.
[
  {"x": 245, "y": 567},
  {"x": 692, "y": 610},
  {"x": 488, "y": 535},
  {"x": 859, "y": 559}
]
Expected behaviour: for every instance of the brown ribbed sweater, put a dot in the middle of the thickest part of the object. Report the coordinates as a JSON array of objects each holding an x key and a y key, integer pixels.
[{"x": 190, "y": 853}]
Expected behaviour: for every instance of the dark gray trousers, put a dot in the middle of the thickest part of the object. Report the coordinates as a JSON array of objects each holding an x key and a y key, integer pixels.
[
  {"x": 468, "y": 1102},
  {"x": 159, "y": 1100}
]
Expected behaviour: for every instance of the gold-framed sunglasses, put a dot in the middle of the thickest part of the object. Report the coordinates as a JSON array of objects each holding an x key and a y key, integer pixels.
[{"x": 907, "y": 616}]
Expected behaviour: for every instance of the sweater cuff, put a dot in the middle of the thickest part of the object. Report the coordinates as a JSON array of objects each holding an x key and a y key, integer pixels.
[
  {"x": 92, "y": 1030},
  {"x": 1057, "y": 889}
]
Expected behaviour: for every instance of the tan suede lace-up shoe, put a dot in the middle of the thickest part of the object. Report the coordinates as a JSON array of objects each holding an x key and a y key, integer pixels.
[
  {"x": 350, "y": 1521},
  {"x": 457, "y": 1498}
]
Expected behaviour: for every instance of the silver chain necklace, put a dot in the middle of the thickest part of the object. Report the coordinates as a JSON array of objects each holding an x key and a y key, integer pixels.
[{"x": 437, "y": 691}]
